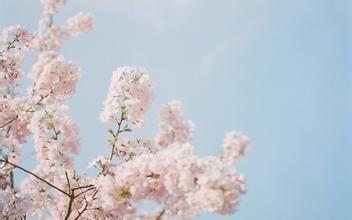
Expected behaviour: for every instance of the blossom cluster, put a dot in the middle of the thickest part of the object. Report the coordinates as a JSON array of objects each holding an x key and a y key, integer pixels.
[
  {"x": 173, "y": 127},
  {"x": 165, "y": 169},
  {"x": 130, "y": 93},
  {"x": 55, "y": 136},
  {"x": 13, "y": 43},
  {"x": 54, "y": 75},
  {"x": 189, "y": 184}
]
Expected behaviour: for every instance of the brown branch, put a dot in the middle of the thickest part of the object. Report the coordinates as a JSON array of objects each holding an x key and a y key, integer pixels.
[
  {"x": 68, "y": 182},
  {"x": 84, "y": 192},
  {"x": 161, "y": 214},
  {"x": 11, "y": 44},
  {"x": 9, "y": 121},
  {"x": 69, "y": 209},
  {"x": 12, "y": 181},
  {"x": 163, "y": 211},
  {"x": 82, "y": 187},
  {"x": 36, "y": 176},
  {"x": 94, "y": 194}
]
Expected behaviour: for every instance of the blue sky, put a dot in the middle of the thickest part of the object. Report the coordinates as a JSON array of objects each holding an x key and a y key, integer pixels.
[{"x": 278, "y": 70}]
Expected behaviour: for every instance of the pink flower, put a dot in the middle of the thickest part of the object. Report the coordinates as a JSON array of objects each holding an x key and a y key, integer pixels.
[
  {"x": 55, "y": 77},
  {"x": 130, "y": 93},
  {"x": 173, "y": 127},
  {"x": 166, "y": 170},
  {"x": 235, "y": 145},
  {"x": 14, "y": 116},
  {"x": 13, "y": 205},
  {"x": 80, "y": 24},
  {"x": 13, "y": 44},
  {"x": 55, "y": 135},
  {"x": 52, "y": 6}
]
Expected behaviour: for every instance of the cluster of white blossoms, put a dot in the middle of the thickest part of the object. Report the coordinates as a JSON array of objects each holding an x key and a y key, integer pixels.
[{"x": 165, "y": 169}]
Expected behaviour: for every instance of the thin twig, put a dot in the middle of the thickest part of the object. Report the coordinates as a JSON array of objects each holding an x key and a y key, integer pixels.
[
  {"x": 119, "y": 123},
  {"x": 68, "y": 182},
  {"x": 82, "y": 187},
  {"x": 94, "y": 194},
  {"x": 161, "y": 214},
  {"x": 9, "y": 121},
  {"x": 159, "y": 217},
  {"x": 84, "y": 192},
  {"x": 11, "y": 44},
  {"x": 86, "y": 202}
]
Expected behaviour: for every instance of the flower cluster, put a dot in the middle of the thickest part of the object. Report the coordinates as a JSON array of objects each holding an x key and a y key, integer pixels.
[
  {"x": 14, "y": 114},
  {"x": 130, "y": 93},
  {"x": 165, "y": 170},
  {"x": 127, "y": 149},
  {"x": 173, "y": 128},
  {"x": 13, "y": 133},
  {"x": 41, "y": 198},
  {"x": 80, "y": 24},
  {"x": 50, "y": 36},
  {"x": 55, "y": 76},
  {"x": 190, "y": 184},
  {"x": 12, "y": 204},
  {"x": 52, "y": 7},
  {"x": 235, "y": 145},
  {"x": 55, "y": 136},
  {"x": 13, "y": 43}
]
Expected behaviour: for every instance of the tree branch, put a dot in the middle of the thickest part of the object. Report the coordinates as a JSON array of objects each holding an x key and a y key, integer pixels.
[
  {"x": 36, "y": 176},
  {"x": 119, "y": 123},
  {"x": 69, "y": 209},
  {"x": 12, "y": 181},
  {"x": 84, "y": 192},
  {"x": 9, "y": 121}
]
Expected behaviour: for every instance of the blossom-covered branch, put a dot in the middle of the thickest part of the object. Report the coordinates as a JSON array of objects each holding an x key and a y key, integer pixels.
[{"x": 164, "y": 169}]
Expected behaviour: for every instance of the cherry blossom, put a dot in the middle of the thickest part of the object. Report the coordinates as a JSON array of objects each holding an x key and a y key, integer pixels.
[
  {"x": 13, "y": 43},
  {"x": 13, "y": 205},
  {"x": 55, "y": 77},
  {"x": 80, "y": 24},
  {"x": 165, "y": 169},
  {"x": 131, "y": 92},
  {"x": 55, "y": 136},
  {"x": 173, "y": 127},
  {"x": 235, "y": 145}
]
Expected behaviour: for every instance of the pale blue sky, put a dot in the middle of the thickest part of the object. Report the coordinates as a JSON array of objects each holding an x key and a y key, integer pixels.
[{"x": 278, "y": 70}]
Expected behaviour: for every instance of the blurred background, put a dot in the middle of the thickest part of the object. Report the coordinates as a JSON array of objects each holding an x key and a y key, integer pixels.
[{"x": 278, "y": 70}]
